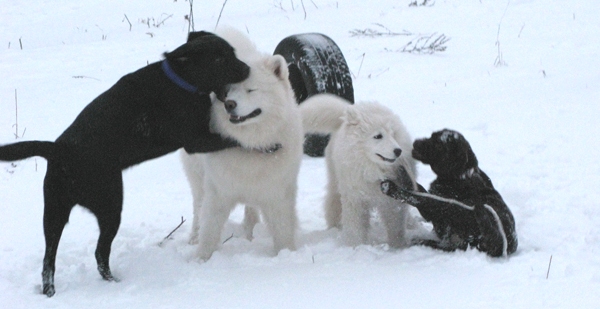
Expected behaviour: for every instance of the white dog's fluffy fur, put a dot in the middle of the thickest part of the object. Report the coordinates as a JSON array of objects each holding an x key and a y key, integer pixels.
[
  {"x": 363, "y": 151},
  {"x": 253, "y": 174}
]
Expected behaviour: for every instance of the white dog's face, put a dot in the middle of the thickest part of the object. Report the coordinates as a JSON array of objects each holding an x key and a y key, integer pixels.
[{"x": 245, "y": 102}]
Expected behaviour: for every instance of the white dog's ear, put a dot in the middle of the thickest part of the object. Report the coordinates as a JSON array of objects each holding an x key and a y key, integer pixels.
[{"x": 278, "y": 66}]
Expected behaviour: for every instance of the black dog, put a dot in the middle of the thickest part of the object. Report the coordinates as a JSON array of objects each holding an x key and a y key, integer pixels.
[
  {"x": 462, "y": 204},
  {"x": 146, "y": 114}
]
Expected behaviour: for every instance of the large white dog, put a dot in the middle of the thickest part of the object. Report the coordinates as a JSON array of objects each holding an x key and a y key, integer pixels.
[
  {"x": 368, "y": 143},
  {"x": 262, "y": 115}
]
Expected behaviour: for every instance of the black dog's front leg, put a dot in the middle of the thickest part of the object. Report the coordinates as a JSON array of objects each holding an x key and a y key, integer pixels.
[{"x": 209, "y": 143}]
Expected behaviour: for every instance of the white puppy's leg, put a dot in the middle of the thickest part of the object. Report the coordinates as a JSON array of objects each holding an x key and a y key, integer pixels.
[
  {"x": 333, "y": 203},
  {"x": 212, "y": 218},
  {"x": 355, "y": 221},
  {"x": 394, "y": 218}
]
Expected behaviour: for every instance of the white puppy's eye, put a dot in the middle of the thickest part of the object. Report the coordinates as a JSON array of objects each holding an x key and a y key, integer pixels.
[
  {"x": 250, "y": 90},
  {"x": 378, "y": 136}
]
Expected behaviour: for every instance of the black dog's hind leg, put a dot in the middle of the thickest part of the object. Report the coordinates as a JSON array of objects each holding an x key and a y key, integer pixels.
[
  {"x": 494, "y": 240},
  {"x": 107, "y": 204},
  {"x": 57, "y": 208}
]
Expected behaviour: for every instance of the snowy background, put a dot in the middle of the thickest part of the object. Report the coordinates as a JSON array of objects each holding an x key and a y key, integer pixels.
[{"x": 520, "y": 79}]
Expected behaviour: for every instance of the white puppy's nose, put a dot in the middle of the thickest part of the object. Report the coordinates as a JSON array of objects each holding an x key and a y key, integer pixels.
[
  {"x": 397, "y": 152},
  {"x": 230, "y": 105}
]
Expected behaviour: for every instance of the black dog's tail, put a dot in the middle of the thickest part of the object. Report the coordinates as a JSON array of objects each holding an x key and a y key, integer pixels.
[{"x": 24, "y": 150}]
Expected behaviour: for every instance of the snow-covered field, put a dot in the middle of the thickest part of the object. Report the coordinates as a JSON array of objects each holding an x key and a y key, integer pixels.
[{"x": 532, "y": 120}]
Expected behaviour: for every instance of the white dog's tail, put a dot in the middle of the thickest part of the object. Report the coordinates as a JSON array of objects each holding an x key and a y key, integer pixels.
[{"x": 322, "y": 113}]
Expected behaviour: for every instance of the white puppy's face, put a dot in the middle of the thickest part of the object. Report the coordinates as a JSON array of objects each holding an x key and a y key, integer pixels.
[
  {"x": 382, "y": 147},
  {"x": 244, "y": 102},
  {"x": 376, "y": 133}
]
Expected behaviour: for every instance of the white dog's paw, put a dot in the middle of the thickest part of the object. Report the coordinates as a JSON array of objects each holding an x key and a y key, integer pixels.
[
  {"x": 193, "y": 239},
  {"x": 204, "y": 254}
]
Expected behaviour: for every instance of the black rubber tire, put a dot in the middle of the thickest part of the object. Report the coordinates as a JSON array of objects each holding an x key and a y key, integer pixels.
[{"x": 316, "y": 65}]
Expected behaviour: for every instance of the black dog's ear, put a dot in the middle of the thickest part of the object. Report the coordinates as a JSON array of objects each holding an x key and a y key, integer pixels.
[
  {"x": 185, "y": 51},
  {"x": 196, "y": 34}
]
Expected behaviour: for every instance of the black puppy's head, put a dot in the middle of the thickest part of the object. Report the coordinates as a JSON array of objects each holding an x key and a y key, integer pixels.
[
  {"x": 447, "y": 152},
  {"x": 207, "y": 62}
]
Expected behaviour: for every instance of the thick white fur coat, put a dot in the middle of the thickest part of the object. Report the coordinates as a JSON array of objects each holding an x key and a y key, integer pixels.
[{"x": 251, "y": 175}]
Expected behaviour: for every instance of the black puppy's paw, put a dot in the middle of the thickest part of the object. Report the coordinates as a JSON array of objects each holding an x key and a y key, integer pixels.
[{"x": 389, "y": 188}]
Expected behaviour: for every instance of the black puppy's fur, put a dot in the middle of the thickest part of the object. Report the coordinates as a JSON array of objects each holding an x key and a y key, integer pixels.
[
  {"x": 146, "y": 114},
  {"x": 462, "y": 204}
]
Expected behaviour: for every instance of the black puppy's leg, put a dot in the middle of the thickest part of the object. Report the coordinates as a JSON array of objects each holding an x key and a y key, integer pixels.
[{"x": 56, "y": 215}]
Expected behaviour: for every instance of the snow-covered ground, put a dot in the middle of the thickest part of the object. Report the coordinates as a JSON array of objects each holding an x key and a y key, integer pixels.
[{"x": 532, "y": 120}]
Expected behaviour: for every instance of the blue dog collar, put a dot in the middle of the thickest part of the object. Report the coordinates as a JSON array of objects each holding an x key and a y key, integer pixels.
[{"x": 177, "y": 79}]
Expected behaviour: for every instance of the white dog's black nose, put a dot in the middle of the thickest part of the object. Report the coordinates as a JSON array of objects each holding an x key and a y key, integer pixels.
[
  {"x": 397, "y": 152},
  {"x": 230, "y": 105}
]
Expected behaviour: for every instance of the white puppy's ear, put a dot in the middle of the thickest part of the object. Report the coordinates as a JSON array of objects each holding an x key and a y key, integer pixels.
[
  {"x": 278, "y": 66},
  {"x": 352, "y": 117}
]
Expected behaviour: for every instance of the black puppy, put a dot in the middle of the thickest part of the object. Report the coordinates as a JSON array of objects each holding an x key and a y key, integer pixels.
[
  {"x": 462, "y": 204},
  {"x": 146, "y": 114}
]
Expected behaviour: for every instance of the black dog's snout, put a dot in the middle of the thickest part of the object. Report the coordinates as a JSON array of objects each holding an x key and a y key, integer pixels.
[
  {"x": 397, "y": 152},
  {"x": 230, "y": 105}
]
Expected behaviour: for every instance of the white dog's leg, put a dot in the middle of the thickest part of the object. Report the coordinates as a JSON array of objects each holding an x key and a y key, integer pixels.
[
  {"x": 194, "y": 171},
  {"x": 355, "y": 221},
  {"x": 195, "y": 222},
  {"x": 212, "y": 218},
  {"x": 251, "y": 218},
  {"x": 395, "y": 218},
  {"x": 280, "y": 216}
]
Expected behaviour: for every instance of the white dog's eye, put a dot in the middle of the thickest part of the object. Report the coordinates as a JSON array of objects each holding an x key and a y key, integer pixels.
[
  {"x": 378, "y": 136},
  {"x": 250, "y": 90}
]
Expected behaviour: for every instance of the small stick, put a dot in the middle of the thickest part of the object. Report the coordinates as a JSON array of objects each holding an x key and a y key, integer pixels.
[
  {"x": 173, "y": 231},
  {"x": 21, "y": 43},
  {"x": 302, "y": 1},
  {"x": 191, "y": 26},
  {"x": 549, "y": 264},
  {"x": 222, "y": 8},
  {"x": 127, "y": 18},
  {"x": 361, "y": 63},
  {"x": 228, "y": 238}
]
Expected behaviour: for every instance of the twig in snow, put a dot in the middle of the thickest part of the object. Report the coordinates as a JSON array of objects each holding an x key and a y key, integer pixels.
[
  {"x": 304, "y": 9},
  {"x": 21, "y": 43},
  {"x": 127, "y": 19},
  {"x": 369, "y": 32},
  {"x": 361, "y": 63},
  {"x": 499, "y": 59},
  {"x": 173, "y": 231},
  {"x": 82, "y": 76},
  {"x": 426, "y": 44},
  {"x": 424, "y": 3},
  {"x": 228, "y": 238},
  {"x": 190, "y": 17},
  {"x": 549, "y": 264},
  {"x": 222, "y": 8}
]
